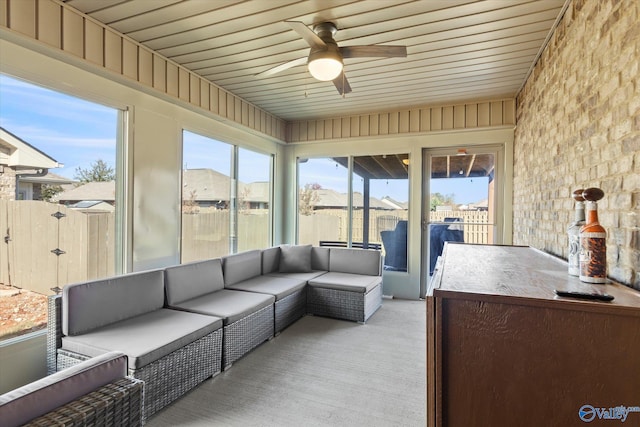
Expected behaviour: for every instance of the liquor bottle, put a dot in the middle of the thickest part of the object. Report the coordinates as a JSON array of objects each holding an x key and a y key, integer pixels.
[
  {"x": 593, "y": 241},
  {"x": 574, "y": 234}
]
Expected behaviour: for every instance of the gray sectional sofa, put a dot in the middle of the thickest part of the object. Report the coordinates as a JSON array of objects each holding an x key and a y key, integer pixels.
[{"x": 183, "y": 324}]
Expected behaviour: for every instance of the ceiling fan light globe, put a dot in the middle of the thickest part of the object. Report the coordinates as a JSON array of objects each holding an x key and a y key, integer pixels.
[{"x": 325, "y": 69}]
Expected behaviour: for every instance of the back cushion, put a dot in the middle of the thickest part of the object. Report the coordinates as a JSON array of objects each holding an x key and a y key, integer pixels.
[
  {"x": 270, "y": 260},
  {"x": 295, "y": 259},
  {"x": 355, "y": 261},
  {"x": 242, "y": 266},
  {"x": 320, "y": 258},
  {"x": 187, "y": 281},
  {"x": 90, "y": 305}
]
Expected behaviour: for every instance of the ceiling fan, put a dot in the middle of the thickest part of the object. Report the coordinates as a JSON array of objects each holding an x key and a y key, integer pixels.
[{"x": 325, "y": 60}]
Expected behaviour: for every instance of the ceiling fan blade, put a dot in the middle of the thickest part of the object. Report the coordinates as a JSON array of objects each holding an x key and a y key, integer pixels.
[
  {"x": 307, "y": 34},
  {"x": 282, "y": 67},
  {"x": 342, "y": 84},
  {"x": 380, "y": 51}
]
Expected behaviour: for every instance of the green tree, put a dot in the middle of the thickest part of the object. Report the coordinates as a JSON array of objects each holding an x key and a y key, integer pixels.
[
  {"x": 438, "y": 199},
  {"x": 98, "y": 171},
  {"x": 190, "y": 206},
  {"x": 49, "y": 192},
  {"x": 307, "y": 198}
]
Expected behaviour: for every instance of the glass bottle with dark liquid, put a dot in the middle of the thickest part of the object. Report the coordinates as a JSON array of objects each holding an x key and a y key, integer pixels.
[
  {"x": 573, "y": 233},
  {"x": 593, "y": 241}
]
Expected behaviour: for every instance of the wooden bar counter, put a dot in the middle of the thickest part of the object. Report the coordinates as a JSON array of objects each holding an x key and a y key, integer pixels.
[{"x": 504, "y": 350}]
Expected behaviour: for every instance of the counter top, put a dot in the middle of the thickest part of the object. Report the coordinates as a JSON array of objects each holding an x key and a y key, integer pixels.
[{"x": 525, "y": 275}]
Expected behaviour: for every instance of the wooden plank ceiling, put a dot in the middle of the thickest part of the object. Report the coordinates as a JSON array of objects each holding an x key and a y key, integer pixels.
[
  {"x": 458, "y": 50},
  {"x": 396, "y": 166}
]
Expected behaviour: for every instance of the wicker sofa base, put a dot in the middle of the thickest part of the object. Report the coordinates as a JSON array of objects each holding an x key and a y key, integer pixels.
[
  {"x": 342, "y": 304},
  {"x": 290, "y": 308},
  {"x": 244, "y": 335},
  {"x": 172, "y": 376},
  {"x": 116, "y": 404}
]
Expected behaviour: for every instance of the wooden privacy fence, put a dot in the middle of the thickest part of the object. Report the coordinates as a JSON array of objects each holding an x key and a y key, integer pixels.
[
  {"x": 207, "y": 234},
  {"x": 34, "y": 231},
  {"x": 46, "y": 245},
  {"x": 477, "y": 228},
  {"x": 331, "y": 224}
]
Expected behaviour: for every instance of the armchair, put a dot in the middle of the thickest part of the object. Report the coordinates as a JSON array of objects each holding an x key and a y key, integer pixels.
[{"x": 94, "y": 392}]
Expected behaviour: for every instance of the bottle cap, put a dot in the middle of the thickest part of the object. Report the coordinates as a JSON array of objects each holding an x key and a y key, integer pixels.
[
  {"x": 593, "y": 194},
  {"x": 577, "y": 195}
]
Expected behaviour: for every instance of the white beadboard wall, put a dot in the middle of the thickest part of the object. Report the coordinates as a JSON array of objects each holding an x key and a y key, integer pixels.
[
  {"x": 62, "y": 27},
  {"x": 427, "y": 119}
]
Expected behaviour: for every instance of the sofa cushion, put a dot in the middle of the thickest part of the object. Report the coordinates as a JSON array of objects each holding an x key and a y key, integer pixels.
[
  {"x": 187, "y": 281},
  {"x": 346, "y": 282},
  {"x": 279, "y": 287},
  {"x": 38, "y": 398},
  {"x": 320, "y": 258},
  {"x": 91, "y": 305},
  {"x": 355, "y": 261},
  {"x": 242, "y": 266},
  {"x": 299, "y": 276},
  {"x": 145, "y": 338},
  {"x": 270, "y": 260},
  {"x": 295, "y": 259},
  {"x": 228, "y": 304}
]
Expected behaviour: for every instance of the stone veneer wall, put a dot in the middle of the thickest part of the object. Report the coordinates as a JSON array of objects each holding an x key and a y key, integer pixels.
[
  {"x": 578, "y": 126},
  {"x": 7, "y": 183}
]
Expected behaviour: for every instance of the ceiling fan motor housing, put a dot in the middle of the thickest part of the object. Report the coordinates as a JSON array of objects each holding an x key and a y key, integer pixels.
[
  {"x": 325, "y": 61},
  {"x": 326, "y": 31}
]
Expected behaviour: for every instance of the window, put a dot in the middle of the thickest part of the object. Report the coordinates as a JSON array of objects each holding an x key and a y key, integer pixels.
[
  {"x": 59, "y": 202},
  {"x": 462, "y": 199},
  {"x": 206, "y": 197},
  {"x": 373, "y": 214},
  {"x": 226, "y": 205},
  {"x": 254, "y": 200},
  {"x": 322, "y": 201},
  {"x": 380, "y": 206}
]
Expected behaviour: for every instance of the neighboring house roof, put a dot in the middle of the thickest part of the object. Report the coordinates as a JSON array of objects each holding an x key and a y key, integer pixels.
[
  {"x": 86, "y": 204},
  {"x": 104, "y": 191},
  {"x": 210, "y": 185},
  {"x": 19, "y": 154},
  {"x": 481, "y": 204},
  {"x": 255, "y": 191},
  {"x": 206, "y": 185},
  {"x": 331, "y": 199},
  {"x": 50, "y": 178},
  {"x": 93, "y": 205},
  {"x": 394, "y": 204}
]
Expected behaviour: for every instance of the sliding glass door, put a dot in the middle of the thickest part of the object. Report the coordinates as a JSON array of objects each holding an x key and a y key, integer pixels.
[
  {"x": 460, "y": 202},
  {"x": 360, "y": 201}
]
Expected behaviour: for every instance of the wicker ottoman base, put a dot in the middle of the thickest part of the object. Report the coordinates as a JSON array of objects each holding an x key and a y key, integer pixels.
[{"x": 341, "y": 304}]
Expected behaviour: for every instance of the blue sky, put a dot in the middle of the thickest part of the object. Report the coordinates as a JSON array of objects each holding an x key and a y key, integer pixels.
[
  {"x": 76, "y": 133},
  {"x": 70, "y": 130},
  {"x": 329, "y": 174}
]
